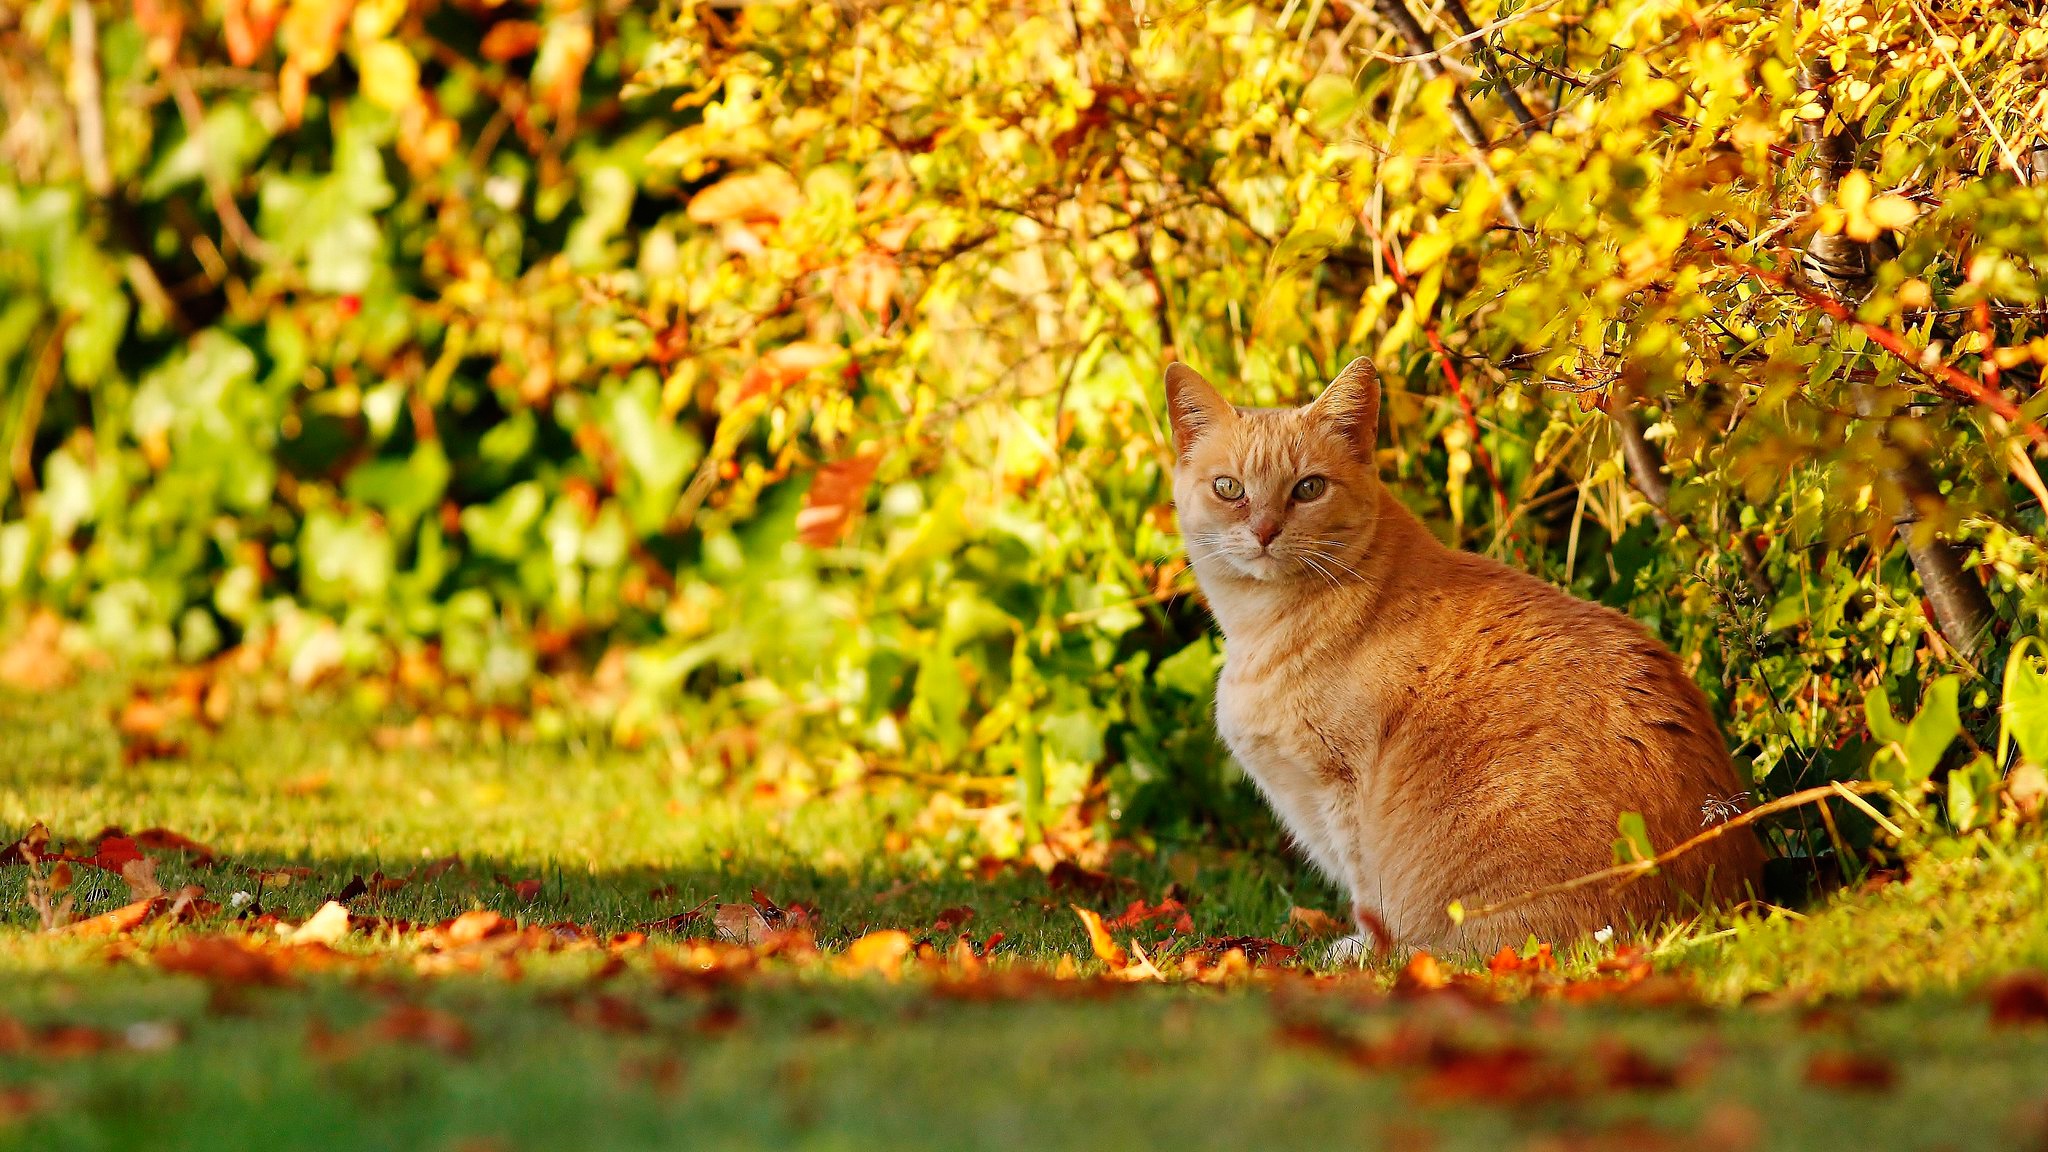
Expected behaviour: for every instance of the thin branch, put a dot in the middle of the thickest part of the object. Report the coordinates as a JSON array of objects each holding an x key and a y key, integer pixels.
[
  {"x": 85, "y": 99},
  {"x": 2012, "y": 159},
  {"x": 1945, "y": 377},
  {"x": 1469, "y": 33},
  {"x": 1637, "y": 869}
]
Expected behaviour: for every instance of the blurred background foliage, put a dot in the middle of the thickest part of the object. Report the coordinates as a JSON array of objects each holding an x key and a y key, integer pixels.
[{"x": 779, "y": 382}]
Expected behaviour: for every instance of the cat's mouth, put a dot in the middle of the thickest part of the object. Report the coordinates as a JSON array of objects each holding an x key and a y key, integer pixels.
[{"x": 1264, "y": 564}]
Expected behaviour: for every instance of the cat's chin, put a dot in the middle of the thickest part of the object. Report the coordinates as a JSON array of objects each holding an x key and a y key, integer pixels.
[{"x": 1265, "y": 569}]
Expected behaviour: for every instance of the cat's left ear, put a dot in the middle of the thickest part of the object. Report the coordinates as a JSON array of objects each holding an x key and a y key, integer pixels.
[{"x": 1352, "y": 405}]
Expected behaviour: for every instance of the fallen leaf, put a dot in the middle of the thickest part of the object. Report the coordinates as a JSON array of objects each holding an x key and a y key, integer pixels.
[
  {"x": 114, "y": 852},
  {"x": 36, "y": 662},
  {"x": 222, "y": 960},
  {"x": 28, "y": 849},
  {"x": 1510, "y": 1074},
  {"x": 1625, "y": 1067},
  {"x": 526, "y": 890},
  {"x": 1851, "y": 1071},
  {"x": 1138, "y": 913},
  {"x": 325, "y": 926},
  {"x": 950, "y": 920},
  {"x": 122, "y": 919},
  {"x": 471, "y": 927},
  {"x": 741, "y": 923},
  {"x": 1423, "y": 973},
  {"x": 2021, "y": 998},
  {"x": 1315, "y": 923},
  {"x": 879, "y": 952},
  {"x": 1255, "y": 949},
  {"x": 418, "y": 1024},
  {"x": 165, "y": 840},
  {"x": 1106, "y": 949},
  {"x": 140, "y": 876},
  {"x": 1066, "y": 874}
]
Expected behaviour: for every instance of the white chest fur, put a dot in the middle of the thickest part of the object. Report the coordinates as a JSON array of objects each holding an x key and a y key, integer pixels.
[{"x": 1312, "y": 782}]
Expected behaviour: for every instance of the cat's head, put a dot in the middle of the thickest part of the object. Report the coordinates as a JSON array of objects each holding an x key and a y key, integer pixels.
[{"x": 1275, "y": 494}]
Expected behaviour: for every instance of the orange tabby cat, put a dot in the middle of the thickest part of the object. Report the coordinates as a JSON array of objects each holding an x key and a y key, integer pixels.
[{"x": 1432, "y": 726}]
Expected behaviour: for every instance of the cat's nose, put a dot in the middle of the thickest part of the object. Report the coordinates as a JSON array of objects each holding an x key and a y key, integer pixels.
[{"x": 1264, "y": 531}]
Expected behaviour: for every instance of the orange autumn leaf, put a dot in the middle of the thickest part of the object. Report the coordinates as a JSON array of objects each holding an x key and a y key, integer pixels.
[
  {"x": 1106, "y": 949},
  {"x": 880, "y": 952},
  {"x": 509, "y": 40},
  {"x": 122, "y": 919},
  {"x": 1315, "y": 923},
  {"x": 784, "y": 366},
  {"x": 838, "y": 495}
]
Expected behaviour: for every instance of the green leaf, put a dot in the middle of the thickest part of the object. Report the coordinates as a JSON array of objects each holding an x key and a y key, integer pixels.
[
  {"x": 1633, "y": 844},
  {"x": 1972, "y": 793},
  {"x": 1933, "y": 729},
  {"x": 1192, "y": 670},
  {"x": 2025, "y": 710},
  {"x": 502, "y": 527}
]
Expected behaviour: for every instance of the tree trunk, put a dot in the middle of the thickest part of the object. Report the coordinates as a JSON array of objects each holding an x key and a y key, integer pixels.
[{"x": 1843, "y": 268}]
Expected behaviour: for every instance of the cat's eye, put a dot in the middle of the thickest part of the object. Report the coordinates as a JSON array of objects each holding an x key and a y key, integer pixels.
[
  {"x": 1309, "y": 487},
  {"x": 1228, "y": 487}
]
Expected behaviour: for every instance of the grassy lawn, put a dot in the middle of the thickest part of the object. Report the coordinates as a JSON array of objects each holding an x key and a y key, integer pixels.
[{"x": 1863, "y": 1024}]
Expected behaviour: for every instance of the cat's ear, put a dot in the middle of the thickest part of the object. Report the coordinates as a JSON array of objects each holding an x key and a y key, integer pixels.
[
  {"x": 1194, "y": 406},
  {"x": 1352, "y": 405}
]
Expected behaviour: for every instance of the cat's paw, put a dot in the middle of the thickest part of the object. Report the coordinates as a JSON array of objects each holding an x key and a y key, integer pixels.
[{"x": 1353, "y": 949}]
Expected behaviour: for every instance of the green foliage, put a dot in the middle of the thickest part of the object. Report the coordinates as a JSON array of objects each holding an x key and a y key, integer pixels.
[{"x": 797, "y": 370}]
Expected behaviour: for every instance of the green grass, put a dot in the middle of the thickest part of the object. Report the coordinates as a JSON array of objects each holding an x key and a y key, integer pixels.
[{"x": 550, "y": 1049}]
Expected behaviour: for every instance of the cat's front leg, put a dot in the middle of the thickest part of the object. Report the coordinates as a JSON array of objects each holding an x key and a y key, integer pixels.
[{"x": 1373, "y": 940}]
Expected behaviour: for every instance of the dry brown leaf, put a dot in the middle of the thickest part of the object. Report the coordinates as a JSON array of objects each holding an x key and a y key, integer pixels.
[
  {"x": 140, "y": 875},
  {"x": 1853, "y": 1071},
  {"x": 222, "y": 960},
  {"x": 741, "y": 924},
  {"x": 1315, "y": 923},
  {"x": 36, "y": 662},
  {"x": 2021, "y": 998}
]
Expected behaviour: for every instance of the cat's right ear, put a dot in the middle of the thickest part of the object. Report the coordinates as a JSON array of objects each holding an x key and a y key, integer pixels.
[{"x": 1194, "y": 406}]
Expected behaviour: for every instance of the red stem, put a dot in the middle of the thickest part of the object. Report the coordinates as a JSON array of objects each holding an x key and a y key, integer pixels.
[
  {"x": 1443, "y": 355},
  {"x": 1944, "y": 376}
]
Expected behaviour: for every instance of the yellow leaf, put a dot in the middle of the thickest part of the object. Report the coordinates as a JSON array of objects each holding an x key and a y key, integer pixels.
[
  {"x": 1425, "y": 250},
  {"x": 311, "y": 33},
  {"x": 881, "y": 952},
  {"x": 1106, "y": 949},
  {"x": 325, "y": 926},
  {"x": 391, "y": 77},
  {"x": 1893, "y": 211},
  {"x": 765, "y": 195},
  {"x": 374, "y": 19}
]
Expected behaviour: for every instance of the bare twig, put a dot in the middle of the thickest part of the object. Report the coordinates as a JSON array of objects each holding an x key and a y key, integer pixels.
[
  {"x": 234, "y": 226},
  {"x": 2012, "y": 160},
  {"x": 85, "y": 99},
  {"x": 44, "y": 379},
  {"x": 1637, "y": 869}
]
